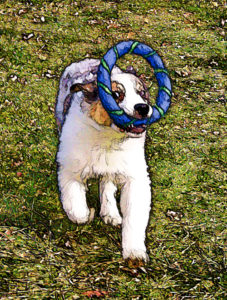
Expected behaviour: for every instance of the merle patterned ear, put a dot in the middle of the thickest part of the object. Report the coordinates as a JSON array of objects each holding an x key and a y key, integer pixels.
[
  {"x": 131, "y": 70},
  {"x": 90, "y": 90}
]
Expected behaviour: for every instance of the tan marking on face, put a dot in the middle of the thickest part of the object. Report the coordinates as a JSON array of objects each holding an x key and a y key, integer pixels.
[
  {"x": 114, "y": 86},
  {"x": 118, "y": 87},
  {"x": 99, "y": 114},
  {"x": 97, "y": 111}
]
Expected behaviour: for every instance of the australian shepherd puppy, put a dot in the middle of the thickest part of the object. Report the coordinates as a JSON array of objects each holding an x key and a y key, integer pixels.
[{"x": 91, "y": 145}]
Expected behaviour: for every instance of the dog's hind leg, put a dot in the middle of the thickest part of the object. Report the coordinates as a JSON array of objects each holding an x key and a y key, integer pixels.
[
  {"x": 109, "y": 211},
  {"x": 73, "y": 197},
  {"x": 135, "y": 207}
]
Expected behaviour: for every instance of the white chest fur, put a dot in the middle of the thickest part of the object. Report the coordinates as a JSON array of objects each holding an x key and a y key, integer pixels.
[{"x": 90, "y": 150}]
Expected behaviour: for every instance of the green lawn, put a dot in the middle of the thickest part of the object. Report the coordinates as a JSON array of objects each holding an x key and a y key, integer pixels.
[{"x": 45, "y": 256}]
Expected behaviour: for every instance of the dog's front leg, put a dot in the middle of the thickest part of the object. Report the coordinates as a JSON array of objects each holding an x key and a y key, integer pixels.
[
  {"x": 73, "y": 197},
  {"x": 135, "y": 207},
  {"x": 109, "y": 211}
]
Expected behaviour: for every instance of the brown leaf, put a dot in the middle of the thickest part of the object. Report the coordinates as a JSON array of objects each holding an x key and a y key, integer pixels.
[
  {"x": 96, "y": 293},
  {"x": 8, "y": 232},
  {"x": 166, "y": 43},
  {"x": 113, "y": 25},
  {"x": 131, "y": 35}
]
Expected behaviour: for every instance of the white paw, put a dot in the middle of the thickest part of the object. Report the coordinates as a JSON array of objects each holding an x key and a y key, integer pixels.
[
  {"x": 113, "y": 220},
  {"x": 136, "y": 254},
  {"x": 79, "y": 217}
]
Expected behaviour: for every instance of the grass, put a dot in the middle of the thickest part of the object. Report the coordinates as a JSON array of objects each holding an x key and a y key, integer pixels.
[{"x": 43, "y": 255}]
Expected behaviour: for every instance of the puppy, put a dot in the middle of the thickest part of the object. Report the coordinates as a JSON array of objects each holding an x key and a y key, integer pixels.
[{"x": 91, "y": 145}]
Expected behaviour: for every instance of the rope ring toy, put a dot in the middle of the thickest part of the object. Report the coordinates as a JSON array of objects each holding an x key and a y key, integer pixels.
[{"x": 119, "y": 117}]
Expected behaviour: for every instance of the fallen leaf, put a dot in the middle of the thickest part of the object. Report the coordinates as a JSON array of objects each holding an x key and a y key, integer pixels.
[
  {"x": 13, "y": 77},
  {"x": 166, "y": 43},
  {"x": 22, "y": 11},
  {"x": 96, "y": 293},
  {"x": 130, "y": 35},
  {"x": 67, "y": 244},
  {"x": 113, "y": 26},
  {"x": 27, "y": 36},
  {"x": 48, "y": 74},
  {"x": 174, "y": 215},
  {"x": 8, "y": 232}
]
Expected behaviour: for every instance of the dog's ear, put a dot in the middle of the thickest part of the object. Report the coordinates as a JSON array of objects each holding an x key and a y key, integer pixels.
[{"x": 90, "y": 90}]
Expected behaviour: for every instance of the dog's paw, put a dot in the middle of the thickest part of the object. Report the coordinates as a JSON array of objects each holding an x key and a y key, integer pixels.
[
  {"x": 113, "y": 220},
  {"x": 79, "y": 217},
  {"x": 136, "y": 255}
]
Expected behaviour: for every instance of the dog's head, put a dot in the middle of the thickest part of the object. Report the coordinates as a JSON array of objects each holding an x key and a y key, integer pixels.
[
  {"x": 131, "y": 94},
  {"x": 133, "y": 99}
]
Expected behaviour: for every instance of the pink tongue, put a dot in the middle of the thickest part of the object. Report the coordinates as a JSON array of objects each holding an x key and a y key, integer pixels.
[{"x": 137, "y": 130}]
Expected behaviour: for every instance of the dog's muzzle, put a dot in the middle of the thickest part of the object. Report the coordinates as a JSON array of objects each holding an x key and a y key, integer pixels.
[{"x": 141, "y": 111}]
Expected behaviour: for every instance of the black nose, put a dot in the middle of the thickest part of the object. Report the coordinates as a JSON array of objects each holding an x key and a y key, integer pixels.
[{"x": 142, "y": 109}]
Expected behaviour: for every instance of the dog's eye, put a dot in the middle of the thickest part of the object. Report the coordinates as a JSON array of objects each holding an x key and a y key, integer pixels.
[
  {"x": 115, "y": 95},
  {"x": 118, "y": 96}
]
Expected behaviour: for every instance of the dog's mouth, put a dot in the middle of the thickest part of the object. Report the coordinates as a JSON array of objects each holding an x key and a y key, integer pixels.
[{"x": 134, "y": 129}]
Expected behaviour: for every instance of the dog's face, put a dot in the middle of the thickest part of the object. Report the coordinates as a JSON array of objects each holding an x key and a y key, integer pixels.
[{"x": 131, "y": 94}]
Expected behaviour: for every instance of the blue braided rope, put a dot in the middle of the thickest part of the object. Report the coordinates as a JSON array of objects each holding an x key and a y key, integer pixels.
[{"x": 118, "y": 116}]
